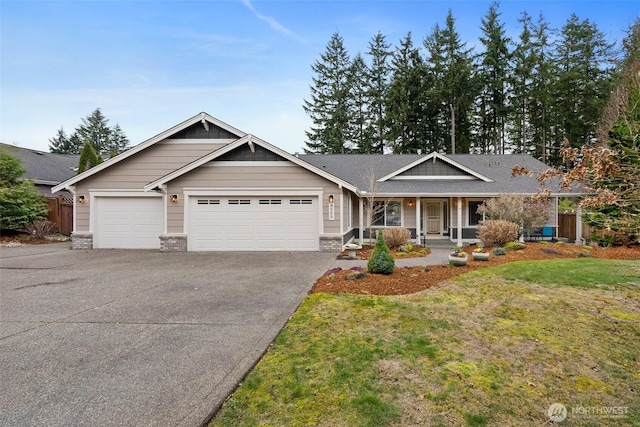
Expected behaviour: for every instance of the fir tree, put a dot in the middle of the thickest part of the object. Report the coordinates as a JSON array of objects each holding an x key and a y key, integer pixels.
[
  {"x": 493, "y": 71},
  {"x": 329, "y": 104},
  {"x": 378, "y": 87},
  {"x": 88, "y": 158},
  {"x": 584, "y": 61}
]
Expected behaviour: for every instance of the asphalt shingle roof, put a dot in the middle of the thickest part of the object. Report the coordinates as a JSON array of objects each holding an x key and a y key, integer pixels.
[
  {"x": 43, "y": 167},
  {"x": 355, "y": 168}
]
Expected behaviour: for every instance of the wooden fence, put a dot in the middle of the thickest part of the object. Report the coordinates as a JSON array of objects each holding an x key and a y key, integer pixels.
[
  {"x": 567, "y": 228},
  {"x": 61, "y": 214}
]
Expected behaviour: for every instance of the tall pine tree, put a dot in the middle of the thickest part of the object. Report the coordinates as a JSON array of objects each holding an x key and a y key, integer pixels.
[
  {"x": 585, "y": 62},
  {"x": 405, "y": 99},
  {"x": 494, "y": 69},
  {"x": 329, "y": 104},
  {"x": 378, "y": 87}
]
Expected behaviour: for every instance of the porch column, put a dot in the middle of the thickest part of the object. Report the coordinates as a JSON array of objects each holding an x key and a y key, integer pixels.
[
  {"x": 360, "y": 220},
  {"x": 418, "y": 225},
  {"x": 578, "y": 225},
  {"x": 459, "y": 225}
]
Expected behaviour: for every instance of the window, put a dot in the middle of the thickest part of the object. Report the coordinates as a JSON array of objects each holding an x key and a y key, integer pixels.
[
  {"x": 388, "y": 215},
  {"x": 474, "y": 216}
]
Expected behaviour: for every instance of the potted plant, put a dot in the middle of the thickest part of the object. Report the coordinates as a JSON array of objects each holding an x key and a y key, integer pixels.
[
  {"x": 480, "y": 254},
  {"x": 458, "y": 257}
]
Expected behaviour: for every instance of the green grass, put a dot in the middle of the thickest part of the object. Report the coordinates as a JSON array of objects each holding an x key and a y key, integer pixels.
[{"x": 495, "y": 347}]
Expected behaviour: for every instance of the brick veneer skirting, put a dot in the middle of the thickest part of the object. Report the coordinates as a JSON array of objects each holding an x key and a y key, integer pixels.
[
  {"x": 81, "y": 240},
  {"x": 173, "y": 243},
  {"x": 330, "y": 244}
]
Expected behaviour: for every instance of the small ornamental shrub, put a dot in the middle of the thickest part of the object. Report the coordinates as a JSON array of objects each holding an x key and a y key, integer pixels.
[
  {"x": 396, "y": 236},
  {"x": 514, "y": 246},
  {"x": 499, "y": 251},
  {"x": 40, "y": 228},
  {"x": 405, "y": 248},
  {"x": 497, "y": 232},
  {"x": 356, "y": 275},
  {"x": 381, "y": 261}
]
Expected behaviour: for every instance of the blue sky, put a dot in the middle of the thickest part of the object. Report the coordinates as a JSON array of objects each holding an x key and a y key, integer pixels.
[{"x": 152, "y": 64}]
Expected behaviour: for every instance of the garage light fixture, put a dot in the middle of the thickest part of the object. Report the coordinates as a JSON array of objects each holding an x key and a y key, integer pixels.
[
  {"x": 81, "y": 199},
  {"x": 174, "y": 198},
  {"x": 330, "y": 198}
]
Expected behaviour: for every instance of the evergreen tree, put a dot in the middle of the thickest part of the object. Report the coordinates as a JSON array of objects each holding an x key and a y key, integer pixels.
[
  {"x": 522, "y": 105},
  {"x": 360, "y": 135},
  {"x": 329, "y": 104},
  {"x": 62, "y": 144},
  {"x": 119, "y": 141},
  {"x": 378, "y": 87},
  {"x": 88, "y": 158},
  {"x": 492, "y": 77},
  {"x": 95, "y": 129},
  {"x": 542, "y": 121},
  {"x": 20, "y": 202},
  {"x": 584, "y": 60},
  {"x": 455, "y": 87},
  {"x": 405, "y": 100}
]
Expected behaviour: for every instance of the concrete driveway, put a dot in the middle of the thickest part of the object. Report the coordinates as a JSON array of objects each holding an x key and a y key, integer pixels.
[{"x": 114, "y": 337}]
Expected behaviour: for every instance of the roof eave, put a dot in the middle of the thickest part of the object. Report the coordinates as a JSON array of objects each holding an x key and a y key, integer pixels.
[{"x": 146, "y": 144}]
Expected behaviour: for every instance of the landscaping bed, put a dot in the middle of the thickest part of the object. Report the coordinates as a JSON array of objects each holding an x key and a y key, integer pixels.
[
  {"x": 407, "y": 280},
  {"x": 410, "y": 251}
]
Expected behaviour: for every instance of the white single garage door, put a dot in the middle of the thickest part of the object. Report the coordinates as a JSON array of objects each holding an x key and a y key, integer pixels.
[
  {"x": 128, "y": 222},
  {"x": 253, "y": 223}
]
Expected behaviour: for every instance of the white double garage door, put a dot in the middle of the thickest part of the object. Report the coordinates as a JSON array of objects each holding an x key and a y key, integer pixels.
[{"x": 245, "y": 223}]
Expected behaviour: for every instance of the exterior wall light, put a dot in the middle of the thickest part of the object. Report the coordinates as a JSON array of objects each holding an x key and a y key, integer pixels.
[
  {"x": 81, "y": 199},
  {"x": 174, "y": 198},
  {"x": 330, "y": 198},
  {"x": 410, "y": 203}
]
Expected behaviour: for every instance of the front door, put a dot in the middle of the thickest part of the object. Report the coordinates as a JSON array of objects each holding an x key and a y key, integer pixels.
[{"x": 432, "y": 218}]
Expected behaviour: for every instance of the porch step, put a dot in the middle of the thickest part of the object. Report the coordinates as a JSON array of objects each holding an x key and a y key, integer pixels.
[{"x": 439, "y": 243}]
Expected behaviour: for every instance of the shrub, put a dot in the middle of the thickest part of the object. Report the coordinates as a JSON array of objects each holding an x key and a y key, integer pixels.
[
  {"x": 514, "y": 246},
  {"x": 381, "y": 261},
  {"x": 40, "y": 228},
  {"x": 497, "y": 232},
  {"x": 396, "y": 236},
  {"x": 499, "y": 251}
]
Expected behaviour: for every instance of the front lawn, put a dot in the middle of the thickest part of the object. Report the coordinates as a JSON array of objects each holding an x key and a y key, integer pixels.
[{"x": 496, "y": 346}]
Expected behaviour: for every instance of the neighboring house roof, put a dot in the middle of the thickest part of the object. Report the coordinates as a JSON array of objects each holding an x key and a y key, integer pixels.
[
  {"x": 204, "y": 118},
  {"x": 42, "y": 167},
  {"x": 247, "y": 139},
  {"x": 488, "y": 174}
]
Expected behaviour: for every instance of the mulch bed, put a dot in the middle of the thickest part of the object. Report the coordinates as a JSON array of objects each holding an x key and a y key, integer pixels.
[
  {"x": 407, "y": 280},
  {"x": 367, "y": 250}
]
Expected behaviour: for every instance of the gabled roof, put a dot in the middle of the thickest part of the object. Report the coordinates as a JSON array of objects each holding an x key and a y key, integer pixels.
[
  {"x": 247, "y": 139},
  {"x": 433, "y": 157},
  {"x": 355, "y": 168},
  {"x": 204, "y": 118},
  {"x": 42, "y": 167}
]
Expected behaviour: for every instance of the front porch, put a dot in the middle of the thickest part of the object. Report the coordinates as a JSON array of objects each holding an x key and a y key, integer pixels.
[{"x": 452, "y": 220}]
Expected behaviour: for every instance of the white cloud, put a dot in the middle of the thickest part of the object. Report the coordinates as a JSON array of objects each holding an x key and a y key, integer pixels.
[{"x": 273, "y": 23}]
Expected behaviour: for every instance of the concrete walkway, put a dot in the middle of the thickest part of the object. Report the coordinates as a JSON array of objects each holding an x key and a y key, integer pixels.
[{"x": 438, "y": 256}]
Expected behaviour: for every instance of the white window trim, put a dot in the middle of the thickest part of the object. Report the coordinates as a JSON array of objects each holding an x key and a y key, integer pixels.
[{"x": 386, "y": 202}]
